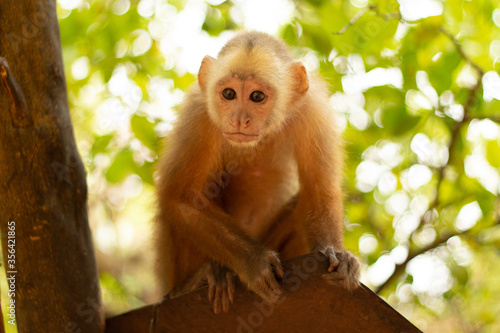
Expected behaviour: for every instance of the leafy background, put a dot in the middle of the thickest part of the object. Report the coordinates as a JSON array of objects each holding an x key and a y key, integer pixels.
[{"x": 417, "y": 91}]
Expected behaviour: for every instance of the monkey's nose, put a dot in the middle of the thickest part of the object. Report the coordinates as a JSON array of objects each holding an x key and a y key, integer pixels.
[
  {"x": 242, "y": 122},
  {"x": 245, "y": 122}
]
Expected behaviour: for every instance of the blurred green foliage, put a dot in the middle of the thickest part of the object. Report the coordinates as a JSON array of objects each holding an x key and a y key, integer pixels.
[{"x": 418, "y": 98}]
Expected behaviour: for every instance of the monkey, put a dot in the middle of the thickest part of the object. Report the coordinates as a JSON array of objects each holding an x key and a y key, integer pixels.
[{"x": 251, "y": 175}]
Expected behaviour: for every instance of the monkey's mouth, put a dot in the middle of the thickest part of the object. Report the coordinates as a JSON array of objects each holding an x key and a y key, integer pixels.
[{"x": 241, "y": 137}]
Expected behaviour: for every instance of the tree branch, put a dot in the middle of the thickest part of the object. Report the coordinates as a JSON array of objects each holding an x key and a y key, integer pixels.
[
  {"x": 451, "y": 150},
  {"x": 455, "y": 132},
  {"x": 400, "y": 268},
  {"x": 480, "y": 117},
  {"x": 353, "y": 20},
  {"x": 461, "y": 51}
]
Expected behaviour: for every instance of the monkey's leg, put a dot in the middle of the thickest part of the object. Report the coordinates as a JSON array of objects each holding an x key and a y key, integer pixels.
[
  {"x": 286, "y": 234},
  {"x": 289, "y": 239},
  {"x": 178, "y": 260}
]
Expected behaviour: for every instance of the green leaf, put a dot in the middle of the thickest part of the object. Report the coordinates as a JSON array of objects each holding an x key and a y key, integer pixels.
[
  {"x": 101, "y": 143},
  {"x": 375, "y": 96},
  {"x": 460, "y": 273},
  {"x": 318, "y": 40},
  {"x": 330, "y": 75},
  {"x": 214, "y": 22},
  {"x": 121, "y": 167},
  {"x": 493, "y": 153},
  {"x": 441, "y": 72},
  {"x": 144, "y": 130},
  {"x": 145, "y": 171},
  {"x": 289, "y": 34},
  {"x": 396, "y": 120},
  {"x": 487, "y": 202}
]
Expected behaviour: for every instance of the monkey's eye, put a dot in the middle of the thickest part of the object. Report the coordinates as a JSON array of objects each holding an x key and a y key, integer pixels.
[
  {"x": 257, "y": 96},
  {"x": 228, "y": 94}
]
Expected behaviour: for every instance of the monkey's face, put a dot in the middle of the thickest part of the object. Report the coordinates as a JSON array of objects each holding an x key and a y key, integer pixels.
[
  {"x": 250, "y": 95},
  {"x": 244, "y": 107}
]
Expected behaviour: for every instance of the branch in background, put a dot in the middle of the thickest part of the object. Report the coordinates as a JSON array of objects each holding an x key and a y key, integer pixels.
[
  {"x": 453, "y": 140},
  {"x": 391, "y": 16},
  {"x": 374, "y": 8},
  {"x": 479, "y": 117},
  {"x": 461, "y": 51},
  {"x": 456, "y": 129},
  {"x": 353, "y": 20},
  {"x": 451, "y": 149},
  {"x": 400, "y": 268}
]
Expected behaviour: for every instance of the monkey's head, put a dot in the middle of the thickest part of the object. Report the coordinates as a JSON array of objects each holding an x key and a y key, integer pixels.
[{"x": 252, "y": 87}]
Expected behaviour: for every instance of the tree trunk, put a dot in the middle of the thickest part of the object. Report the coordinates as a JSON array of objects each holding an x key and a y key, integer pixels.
[{"x": 43, "y": 192}]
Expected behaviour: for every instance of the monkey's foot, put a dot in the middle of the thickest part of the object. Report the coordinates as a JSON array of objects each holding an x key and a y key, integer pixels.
[
  {"x": 220, "y": 281},
  {"x": 344, "y": 268}
]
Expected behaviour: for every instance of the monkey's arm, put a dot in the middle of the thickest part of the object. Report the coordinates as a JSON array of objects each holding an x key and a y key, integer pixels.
[{"x": 319, "y": 157}]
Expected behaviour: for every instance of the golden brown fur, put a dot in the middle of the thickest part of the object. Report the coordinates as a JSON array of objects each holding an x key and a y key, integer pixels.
[{"x": 228, "y": 206}]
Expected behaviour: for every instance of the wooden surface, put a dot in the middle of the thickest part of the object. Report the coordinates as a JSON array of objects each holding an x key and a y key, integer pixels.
[{"x": 308, "y": 304}]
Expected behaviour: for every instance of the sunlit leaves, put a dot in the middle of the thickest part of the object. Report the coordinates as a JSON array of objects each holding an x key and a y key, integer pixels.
[
  {"x": 122, "y": 166},
  {"x": 317, "y": 39},
  {"x": 218, "y": 19},
  {"x": 144, "y": 131},
  {"x": 493, "y": 153},
  {"x": 419, "y": 47},
  {"x": 397, "y": 121},
  {"x": 101, "y": 143},
  {"x": 441, "y": 70}
]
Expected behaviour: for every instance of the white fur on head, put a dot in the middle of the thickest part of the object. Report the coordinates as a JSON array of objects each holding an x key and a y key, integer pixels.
[{"x": 259, "y": 55}]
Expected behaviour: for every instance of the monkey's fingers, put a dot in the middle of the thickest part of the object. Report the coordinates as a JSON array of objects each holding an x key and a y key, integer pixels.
[
  {"x": 276, "y": 264},
  {"x": 211, "y": 293},
  {"x": 273, "y": 284},
  {"x": 350, "y": 268},
  {"x": 218, "y": 299},
  {"x": 332, "y": 257},
  {"x": 269, "y": 289},
  {"x": 230, "y": 286},
  {"x": 225, "y": 297},
  {"x": 211, "y": 286}
]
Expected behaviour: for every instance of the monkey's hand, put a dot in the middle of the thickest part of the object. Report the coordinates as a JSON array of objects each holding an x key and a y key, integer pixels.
[
  {"x": 344, "y": 268},
  {"x": 261, "y": 279},
  {"x": 220, "y": 281}
]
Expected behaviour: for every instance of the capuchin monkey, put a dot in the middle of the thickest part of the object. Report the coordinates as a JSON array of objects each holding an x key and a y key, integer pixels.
[{"x": 251, "y": 175}]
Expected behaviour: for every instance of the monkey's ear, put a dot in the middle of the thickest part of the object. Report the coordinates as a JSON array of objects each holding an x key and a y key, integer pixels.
[
  {"x": 299, "y": 77},
  {"x": 204, "y": 70}
]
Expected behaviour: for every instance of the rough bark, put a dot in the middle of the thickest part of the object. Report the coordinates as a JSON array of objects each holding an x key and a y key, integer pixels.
[{"x": 42, "y": 179}]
